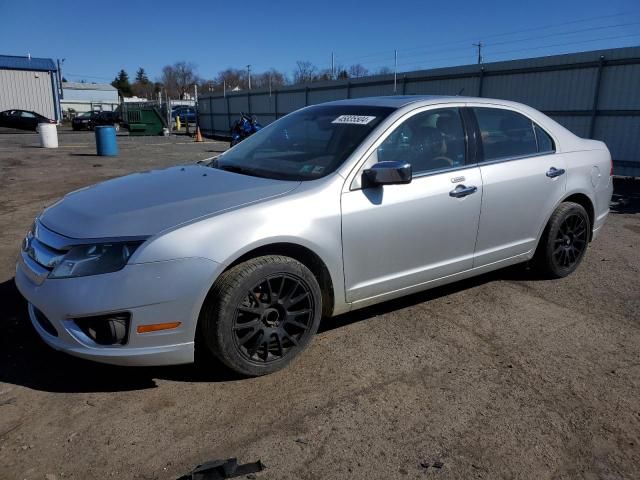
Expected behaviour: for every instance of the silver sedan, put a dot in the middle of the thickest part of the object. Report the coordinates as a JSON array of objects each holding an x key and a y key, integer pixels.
[{"x": 329, "y": 209}]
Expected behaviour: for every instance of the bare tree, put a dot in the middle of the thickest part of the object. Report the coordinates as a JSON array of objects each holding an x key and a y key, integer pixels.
[
  {"x": 271, "y": 77},
  {"x": 358, "y": 70},
  {"x": 384, "y": 71},
  {"x": 179, "y": 78},
  {"x": 306, "y": 72},
  {"x": 233, "y": 78},
  {"x": 323, "y": 75}
]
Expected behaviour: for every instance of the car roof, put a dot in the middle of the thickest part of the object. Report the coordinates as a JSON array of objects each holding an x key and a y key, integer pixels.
[{"x": 399, "y": 101}]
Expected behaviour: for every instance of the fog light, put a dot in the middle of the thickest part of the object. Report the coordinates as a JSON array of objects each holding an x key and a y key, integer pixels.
[
  {"x": 112, "y": 329},
  {"x": 44, "y": 322}
]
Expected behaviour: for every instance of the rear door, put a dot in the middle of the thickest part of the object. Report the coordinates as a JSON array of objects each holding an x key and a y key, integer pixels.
[{"x": 523, "y": 179}]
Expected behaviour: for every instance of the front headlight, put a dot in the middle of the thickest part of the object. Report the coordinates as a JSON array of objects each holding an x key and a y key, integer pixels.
[{"x": 84, "y": 260}]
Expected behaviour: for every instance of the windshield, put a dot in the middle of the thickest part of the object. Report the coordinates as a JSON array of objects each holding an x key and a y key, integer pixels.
[{"x": 305, "y": 145}]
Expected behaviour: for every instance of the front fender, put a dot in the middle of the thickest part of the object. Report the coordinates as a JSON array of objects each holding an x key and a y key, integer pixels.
[{"x": 309, "y": 219}]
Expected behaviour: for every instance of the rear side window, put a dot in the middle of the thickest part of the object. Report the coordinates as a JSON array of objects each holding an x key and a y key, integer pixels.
[
  {"x": 545, "y": 143},
  {"x": 505, "y": 134}
]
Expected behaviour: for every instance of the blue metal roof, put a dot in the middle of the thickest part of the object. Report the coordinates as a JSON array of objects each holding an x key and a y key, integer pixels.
[{"x": 12, "y": 62}]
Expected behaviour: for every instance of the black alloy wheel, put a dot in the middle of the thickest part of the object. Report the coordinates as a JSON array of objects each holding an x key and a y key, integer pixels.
[
  {"x": 272, "y": 317},
  {"x": 564, "y": 241},
  {"x": 260, "y": 314},
  {"x": 571, "y": 241}
]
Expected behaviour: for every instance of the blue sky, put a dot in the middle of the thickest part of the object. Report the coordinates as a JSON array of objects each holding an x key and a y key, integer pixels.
[{"x": 97, "y": 39}]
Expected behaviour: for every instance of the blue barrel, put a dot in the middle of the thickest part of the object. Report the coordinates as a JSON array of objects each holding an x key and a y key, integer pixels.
[{"x": 106, "y": 144}]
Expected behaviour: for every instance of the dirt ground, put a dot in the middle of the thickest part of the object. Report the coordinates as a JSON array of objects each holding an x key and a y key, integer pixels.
[{"x": 502, "y": 376}]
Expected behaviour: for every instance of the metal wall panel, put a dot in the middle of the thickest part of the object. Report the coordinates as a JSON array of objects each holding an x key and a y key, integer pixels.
[
  {"x": 220, "y": 104},
  {"x": 106, "y": 96},
  {"x": 555, "y": 90},
  {"x": 361, "y": 91},
  {"x": 81, "y": 107},
  {"x": 238, "y": 104},
  {"x": 221, "y": 124},
  {"x": 620, "y": 87},
  {"x": 565, "y": 86},
  {"x": 463, "y": 86},
  {"x": 577, "y": 124},
  {"x": 28, "y": 90},
  {"x": 290, "y": 101},
  {"x": 622, "y": 136},
  {"x": 321, "y": 96},
  {"x": 262, "y": 104}
]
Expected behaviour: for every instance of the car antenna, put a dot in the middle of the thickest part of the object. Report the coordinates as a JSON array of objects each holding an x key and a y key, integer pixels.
[{"x": 460, "y": 92}]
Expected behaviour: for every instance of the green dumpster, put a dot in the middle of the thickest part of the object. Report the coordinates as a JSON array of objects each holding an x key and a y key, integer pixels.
[{"x": 142, "y": 120}]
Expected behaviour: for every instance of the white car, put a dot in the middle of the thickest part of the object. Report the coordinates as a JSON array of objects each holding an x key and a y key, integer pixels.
[{"x": 329, "y": 209}]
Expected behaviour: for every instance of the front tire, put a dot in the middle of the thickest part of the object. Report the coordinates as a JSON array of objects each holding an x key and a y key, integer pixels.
[
  {"x": 564, "y": 241},
  {"x": 261, "y": 314}
]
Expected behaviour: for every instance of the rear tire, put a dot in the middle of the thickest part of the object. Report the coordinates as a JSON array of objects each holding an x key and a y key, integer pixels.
[
  {"x": 564, "y": 241},
  {"x": 261, "y": 314}
]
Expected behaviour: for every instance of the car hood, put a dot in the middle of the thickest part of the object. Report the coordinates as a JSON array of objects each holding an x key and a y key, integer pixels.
[{"x": 149, "y": 202}]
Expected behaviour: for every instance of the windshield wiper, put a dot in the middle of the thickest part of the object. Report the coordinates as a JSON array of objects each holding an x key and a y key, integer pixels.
[{"x": 239, "y": 169}]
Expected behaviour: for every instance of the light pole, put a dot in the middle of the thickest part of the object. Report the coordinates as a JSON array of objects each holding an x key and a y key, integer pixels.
[{"x": 395, "y": 72}]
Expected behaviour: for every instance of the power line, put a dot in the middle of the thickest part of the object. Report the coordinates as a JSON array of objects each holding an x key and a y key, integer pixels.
[
  {"x": 571, "y": 43},
  {"x": 503, "y": 52},
  {"x": 502, "y": 34},
  {"x": 431, "y": 57},
  {"x": 590, "y": 29},
  {"x": 431, "y": 51}
]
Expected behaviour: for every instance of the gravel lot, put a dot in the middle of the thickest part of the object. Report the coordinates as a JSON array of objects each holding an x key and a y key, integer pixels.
[{"x": 502, "y": 376}]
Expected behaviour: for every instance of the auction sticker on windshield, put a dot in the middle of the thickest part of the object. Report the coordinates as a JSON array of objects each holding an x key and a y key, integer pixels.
[{"x": 354, "y": 119}]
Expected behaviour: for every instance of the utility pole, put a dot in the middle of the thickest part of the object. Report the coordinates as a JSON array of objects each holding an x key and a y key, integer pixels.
[
  {"x": 60, "y": 62},
  {"x": 249, "y": 75},
  {"x": 333, "y": 67},
  {"x": 479, "y": 45},
  {"x": 224, "y": 88},
  {"x": 395, "y": 71}
]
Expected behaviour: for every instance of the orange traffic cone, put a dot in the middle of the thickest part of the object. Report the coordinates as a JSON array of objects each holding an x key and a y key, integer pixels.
[{"x": 199, "y": 135}]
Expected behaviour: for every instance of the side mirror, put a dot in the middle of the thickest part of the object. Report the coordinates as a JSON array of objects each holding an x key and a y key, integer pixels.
[{"x": 387, "y": 173}]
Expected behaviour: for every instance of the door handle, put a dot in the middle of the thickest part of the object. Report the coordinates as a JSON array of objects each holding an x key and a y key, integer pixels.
[
  {"x": 555, "y": 172},
  {"x": 462, "y": 191}
]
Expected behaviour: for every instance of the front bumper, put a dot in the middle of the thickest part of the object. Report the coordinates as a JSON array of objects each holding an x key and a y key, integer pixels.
[{"x": 158, "y": 292}]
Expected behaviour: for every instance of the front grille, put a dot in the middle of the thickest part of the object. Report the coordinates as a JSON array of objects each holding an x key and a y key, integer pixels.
[
  {"x": 39, "y": 251},
  {"x": 44, "y": 322}
]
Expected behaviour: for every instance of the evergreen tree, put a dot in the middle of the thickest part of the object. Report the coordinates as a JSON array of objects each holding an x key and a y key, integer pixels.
[
  {"x": 121, "y": 82},
  {"x": 141, "y": 76}
]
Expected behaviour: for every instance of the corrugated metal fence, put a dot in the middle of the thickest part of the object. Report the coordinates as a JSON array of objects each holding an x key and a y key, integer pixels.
[{"x": 594, "y": 94}]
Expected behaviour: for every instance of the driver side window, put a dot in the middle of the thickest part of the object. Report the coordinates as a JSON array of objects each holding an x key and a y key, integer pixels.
[{"x": 429, "y": 141}]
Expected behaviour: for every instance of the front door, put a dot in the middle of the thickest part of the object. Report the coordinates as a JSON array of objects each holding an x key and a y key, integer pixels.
[{"x": 399, "y": 236}]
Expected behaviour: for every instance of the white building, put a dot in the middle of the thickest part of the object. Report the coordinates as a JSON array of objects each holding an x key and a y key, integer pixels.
[
  {"x": 89, "y": 97},
  {"x": 29, "y": 83}
]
